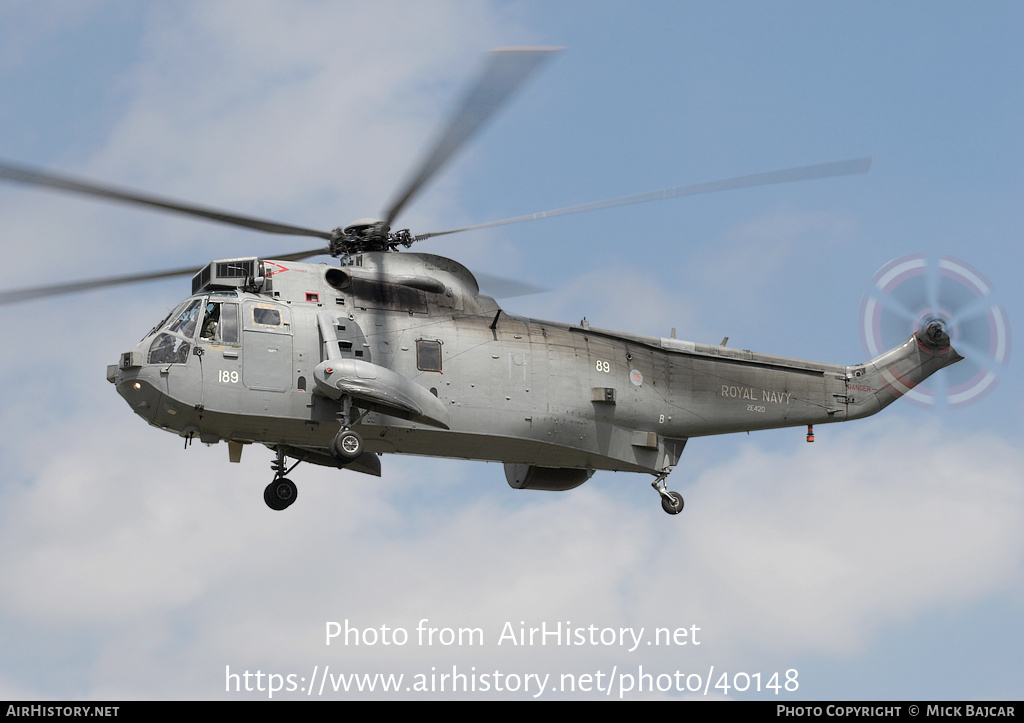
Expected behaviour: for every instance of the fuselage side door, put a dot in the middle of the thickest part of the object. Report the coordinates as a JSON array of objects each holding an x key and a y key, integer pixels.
[
  {"x": 267, "y": 346},
  {"x": 220, "y": 338}
]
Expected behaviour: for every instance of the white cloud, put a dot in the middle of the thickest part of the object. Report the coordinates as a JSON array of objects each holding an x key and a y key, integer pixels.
[
  {"x": 624, "y": 298},
  {"x": 780, "y": 552},
  {"x": 815, "y": 549}
]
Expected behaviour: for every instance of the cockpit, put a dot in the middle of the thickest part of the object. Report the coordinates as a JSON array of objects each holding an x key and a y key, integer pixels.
[{"x": 216, "y": 317}]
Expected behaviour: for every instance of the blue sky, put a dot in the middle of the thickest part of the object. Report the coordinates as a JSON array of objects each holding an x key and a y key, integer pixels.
[{"x": 884, "y": 561}]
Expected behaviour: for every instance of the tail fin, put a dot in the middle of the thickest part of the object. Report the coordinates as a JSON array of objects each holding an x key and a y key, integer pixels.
[{"x": 873, "y": 386}]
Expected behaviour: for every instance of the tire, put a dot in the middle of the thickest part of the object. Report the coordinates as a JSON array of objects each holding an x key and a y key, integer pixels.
[
  {"x": 673, "y": 503},
  {"x": 347, "y": 445},
  {"x": 280, "y": 494}
]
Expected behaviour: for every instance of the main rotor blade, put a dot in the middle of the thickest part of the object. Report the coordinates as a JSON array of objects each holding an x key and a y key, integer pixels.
[
  {"x": 299, "y": 255},
  {"x": 503, "y": 288},
  {"x": 39, "y": 292},
  {"x": 35, "y": 177},
  {"x": 789, "y": 175},
  {"x": 71, "y": 287},
  {"x": 505, "y": 72}
]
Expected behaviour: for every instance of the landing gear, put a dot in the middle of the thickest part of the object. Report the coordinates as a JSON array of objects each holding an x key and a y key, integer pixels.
[
  {"x": 671, "y": 502},
  {"x": 282, "y": 492},
  {"x": 347, "y": 444}
]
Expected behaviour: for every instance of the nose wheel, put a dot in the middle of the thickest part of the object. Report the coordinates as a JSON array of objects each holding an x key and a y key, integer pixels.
[
  {"x": 280, "y": 494},
  {"x": 671, "y": 502}
]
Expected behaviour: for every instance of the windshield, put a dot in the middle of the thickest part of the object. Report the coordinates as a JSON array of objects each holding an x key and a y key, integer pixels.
[
  {"x": 174, "y": 348},
  {"x": 168, "y": 349},
  {"x": 184, "y": 319}
]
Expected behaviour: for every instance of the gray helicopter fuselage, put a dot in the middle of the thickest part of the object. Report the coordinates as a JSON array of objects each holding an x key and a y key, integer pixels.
[{"x": 270, "y": 353}]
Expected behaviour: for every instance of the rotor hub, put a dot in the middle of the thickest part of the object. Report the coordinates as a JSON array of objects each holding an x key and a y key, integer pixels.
[
  {"x": 935, "y": 329},
  {"x": 368, "y": 234}
]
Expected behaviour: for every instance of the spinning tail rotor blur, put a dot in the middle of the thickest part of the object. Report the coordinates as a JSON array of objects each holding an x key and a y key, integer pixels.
[{"x": 914, "y": 292}]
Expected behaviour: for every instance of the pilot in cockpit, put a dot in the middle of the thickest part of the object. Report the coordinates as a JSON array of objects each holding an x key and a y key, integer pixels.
[{"x": 212, "y": 318}]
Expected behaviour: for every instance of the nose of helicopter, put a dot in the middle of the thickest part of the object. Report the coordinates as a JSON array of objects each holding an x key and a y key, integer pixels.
[{"x": 143, "y": 393}]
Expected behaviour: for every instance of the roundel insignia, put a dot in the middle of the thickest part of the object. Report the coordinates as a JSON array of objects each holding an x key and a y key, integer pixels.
[{"x": 636, "y": 377}]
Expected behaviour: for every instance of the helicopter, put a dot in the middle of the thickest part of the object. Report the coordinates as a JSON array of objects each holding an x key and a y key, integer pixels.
[{"x": 400, "y": 352}]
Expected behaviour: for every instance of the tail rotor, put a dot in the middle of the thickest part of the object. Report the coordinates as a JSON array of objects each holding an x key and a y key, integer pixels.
[{"x": 915, "y": 292}]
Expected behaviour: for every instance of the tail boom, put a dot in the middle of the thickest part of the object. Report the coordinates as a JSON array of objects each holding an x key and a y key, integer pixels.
[{"x": 873, "y": 386}]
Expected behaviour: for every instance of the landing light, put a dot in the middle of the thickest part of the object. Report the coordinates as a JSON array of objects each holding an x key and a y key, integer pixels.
[{"x": 136, "y": 386}]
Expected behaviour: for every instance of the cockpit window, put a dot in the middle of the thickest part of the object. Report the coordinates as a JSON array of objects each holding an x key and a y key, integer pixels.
[
  {"x": 229, "y": 323},
  {"x": 220, "y": 322},
  {"x": 211, "y": 321},
  {"x": 185, "y": 322},
  {"x": 168, "y": 349},
  {"x": 173, "y": 348},
  {"x": 172, "y": 314}
]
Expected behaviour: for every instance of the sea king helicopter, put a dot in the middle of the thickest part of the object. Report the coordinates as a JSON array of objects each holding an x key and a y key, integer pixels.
[{"x": 400, "y": 352}]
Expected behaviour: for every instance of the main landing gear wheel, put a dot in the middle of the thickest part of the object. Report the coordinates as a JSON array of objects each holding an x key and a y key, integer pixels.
[
  {"x": 280, "y": 493},
  {"x": 672, "y": 503},
  {"x": 347, "y": 445}
]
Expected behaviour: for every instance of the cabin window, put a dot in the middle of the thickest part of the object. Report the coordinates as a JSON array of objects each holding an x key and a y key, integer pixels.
[
  {"x": 428, "y": 356},
  {"x": 262, "y": 316}
]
